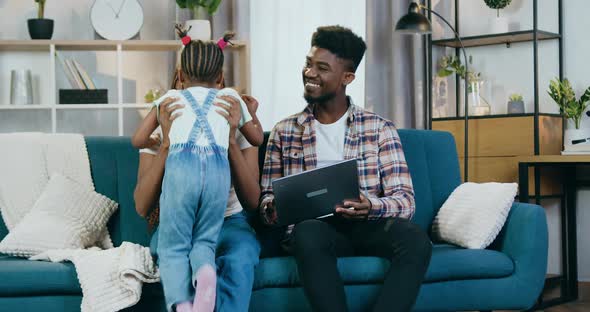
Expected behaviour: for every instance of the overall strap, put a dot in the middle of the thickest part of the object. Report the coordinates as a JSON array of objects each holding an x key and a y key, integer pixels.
[{"x": 201, "y": 124}]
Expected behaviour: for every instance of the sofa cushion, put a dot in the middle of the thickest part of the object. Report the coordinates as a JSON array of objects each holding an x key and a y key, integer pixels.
[
  {"x": 474, "y": 214},
  {"x": 448, "y": 263},
  {"x": 67, "y": 215},
  {"x": 21, "y": 277}
]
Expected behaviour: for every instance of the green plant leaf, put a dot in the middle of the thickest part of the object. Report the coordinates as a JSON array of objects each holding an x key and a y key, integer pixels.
[
  {"x": 586, "y": 96},
  {"x": 183, "y": 4},
  {"x": 443, "y": 72},
  {"x": 213, "y": 6}
]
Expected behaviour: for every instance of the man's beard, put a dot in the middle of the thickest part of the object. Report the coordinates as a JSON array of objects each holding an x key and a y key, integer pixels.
[{"x": 320, "y": 99}]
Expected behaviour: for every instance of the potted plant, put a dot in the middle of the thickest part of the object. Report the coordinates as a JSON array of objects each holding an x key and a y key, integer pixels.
[
  {"x": 497, "y": 4},
  {"x": 199, "y": 27},
  {"x": 515, "y": 104},
  {"x": 452, "y": 64},
  {"x": 40, "y": 27},
  {"x": 563, "y": 94}
]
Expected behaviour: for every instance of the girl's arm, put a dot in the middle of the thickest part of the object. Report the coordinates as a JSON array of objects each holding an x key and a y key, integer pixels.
[
  {"x": 141, "y": 137},
  {"x": 255, "y": 134},
  {"x": 253, "y": 131}
]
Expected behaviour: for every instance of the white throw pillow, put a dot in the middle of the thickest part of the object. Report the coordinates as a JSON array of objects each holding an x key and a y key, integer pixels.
[
  {"x": 67, "y": 215},
  {"x": 474, "y": 214}
]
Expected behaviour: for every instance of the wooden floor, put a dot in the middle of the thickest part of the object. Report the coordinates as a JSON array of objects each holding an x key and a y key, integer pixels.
[{"x": 581, "y": 305}]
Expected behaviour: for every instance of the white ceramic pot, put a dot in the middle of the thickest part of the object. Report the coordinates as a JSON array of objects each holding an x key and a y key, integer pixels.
[
  {"x": 575, "y": 134},
  {"x": 200, "y": 29}
]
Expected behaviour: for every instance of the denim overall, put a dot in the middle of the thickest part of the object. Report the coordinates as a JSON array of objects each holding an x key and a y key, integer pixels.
[{"x": 193, "y": 200}]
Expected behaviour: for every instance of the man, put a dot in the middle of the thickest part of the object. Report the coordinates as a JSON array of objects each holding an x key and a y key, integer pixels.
[{"x": 330, "y": 129}]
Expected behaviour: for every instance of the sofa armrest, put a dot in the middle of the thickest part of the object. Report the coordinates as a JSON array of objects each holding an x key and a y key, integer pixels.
[{"x": 524, "y": 240}]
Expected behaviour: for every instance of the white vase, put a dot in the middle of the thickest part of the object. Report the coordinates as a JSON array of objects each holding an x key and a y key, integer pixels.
[
  {"x": 478, "y": 106},
  {"x": 21, "y": 87},
  {"x": 571, "y": 133},
  {"x": 200, "y": 29}
]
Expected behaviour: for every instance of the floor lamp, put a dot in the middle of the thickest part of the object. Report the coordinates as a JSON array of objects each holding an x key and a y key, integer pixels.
[{"x": 416, "y": 23}]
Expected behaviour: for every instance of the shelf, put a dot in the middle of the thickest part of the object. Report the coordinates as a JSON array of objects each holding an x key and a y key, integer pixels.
[
  {"x": 495, "y": 116},
  {"x": 99, "y": 45},
  {"x": 24, "y": 107},
  {"x": 73, "y": 106},
  {"x": 492, "y": 39}
]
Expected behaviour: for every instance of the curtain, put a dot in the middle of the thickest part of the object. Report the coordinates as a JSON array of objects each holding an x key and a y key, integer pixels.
[
  {"x": 389, "y": 81},
  {"x": 280, "y": 37},
  {"x": 395, "y": 80}
]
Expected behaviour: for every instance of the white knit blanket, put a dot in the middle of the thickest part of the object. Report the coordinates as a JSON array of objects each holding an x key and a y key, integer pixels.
[
  {"x": 111, "y": 279},
  {"x": 26, "y": 163}
]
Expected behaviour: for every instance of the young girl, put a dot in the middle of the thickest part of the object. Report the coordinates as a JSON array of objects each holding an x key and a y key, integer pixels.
[{"x": 197, "y": 176}]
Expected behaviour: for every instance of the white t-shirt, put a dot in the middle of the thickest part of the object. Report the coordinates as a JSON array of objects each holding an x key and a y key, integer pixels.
[
  {"x": 182, "y": 126},
  {"x": 329, "y": 143},
  {"x": 233, "y": 204}
]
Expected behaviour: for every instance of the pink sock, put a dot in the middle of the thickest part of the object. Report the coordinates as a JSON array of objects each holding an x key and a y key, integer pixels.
[
  {"x": 186, "y": 306},
  {"x": 206, "y": 281}
]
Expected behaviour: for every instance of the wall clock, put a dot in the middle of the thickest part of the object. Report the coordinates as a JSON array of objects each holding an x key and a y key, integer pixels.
[{"x": 116, "y": 19}]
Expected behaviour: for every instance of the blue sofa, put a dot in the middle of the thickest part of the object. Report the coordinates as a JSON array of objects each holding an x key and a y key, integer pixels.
[{"x": 508, "y": 275}]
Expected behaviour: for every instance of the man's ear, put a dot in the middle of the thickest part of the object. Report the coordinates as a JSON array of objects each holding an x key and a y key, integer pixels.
[{"x": 348, "y": 78}]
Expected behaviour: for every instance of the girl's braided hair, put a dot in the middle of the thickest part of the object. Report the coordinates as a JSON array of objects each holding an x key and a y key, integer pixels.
[{"x": 201, "y": 60}]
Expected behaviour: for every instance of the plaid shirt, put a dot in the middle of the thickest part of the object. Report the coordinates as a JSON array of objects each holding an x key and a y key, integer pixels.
[{"x": 383, "y": 172}]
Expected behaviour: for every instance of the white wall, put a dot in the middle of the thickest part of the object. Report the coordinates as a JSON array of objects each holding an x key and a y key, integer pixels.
[
  {"x": 577, "y": 69},
  {"x": 280, "y": 36},
  {"x": 509, "y": 70}
]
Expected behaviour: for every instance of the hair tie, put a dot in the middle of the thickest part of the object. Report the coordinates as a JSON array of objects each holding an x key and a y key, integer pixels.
[
  {"x": 221, "y": 43},
  {"x": 186, "y": 40}
]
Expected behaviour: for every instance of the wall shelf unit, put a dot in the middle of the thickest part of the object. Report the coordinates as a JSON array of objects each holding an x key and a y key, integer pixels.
[
  {"x": 99, "y": 45},
  {"x": 119, "y": 114},
  {"x": 500, "y": 38},
  {"x": 544, "y": 131}
]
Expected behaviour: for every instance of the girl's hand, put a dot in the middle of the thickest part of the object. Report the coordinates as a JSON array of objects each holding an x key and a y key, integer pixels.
[
  {"x": 251, "y": 103},
  {"x": 167, "y": 116},
  {"x": 154, "y": 141},
  {"x": 230, "y": 112}
]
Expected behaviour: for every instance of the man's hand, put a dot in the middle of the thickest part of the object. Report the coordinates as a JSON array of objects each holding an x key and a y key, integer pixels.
[
  {"x": 167, "y": 116},
  {"x": 354, "y": 210},
  {"x": 268, "y": 213}
]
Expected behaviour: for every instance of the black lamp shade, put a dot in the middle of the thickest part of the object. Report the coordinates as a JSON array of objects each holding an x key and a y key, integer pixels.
[{"x": 414, "y": 22}]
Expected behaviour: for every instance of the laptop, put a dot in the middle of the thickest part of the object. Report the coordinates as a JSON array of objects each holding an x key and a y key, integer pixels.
[{"x": 315, "y": 193}]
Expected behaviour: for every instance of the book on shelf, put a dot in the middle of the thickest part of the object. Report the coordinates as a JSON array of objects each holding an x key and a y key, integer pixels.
[
  {"x": 72, "y": 68},
  {"x": 67, "y": 71},
  {"x": 84, "y": 75},
  {"x": 76, "y": 74}
]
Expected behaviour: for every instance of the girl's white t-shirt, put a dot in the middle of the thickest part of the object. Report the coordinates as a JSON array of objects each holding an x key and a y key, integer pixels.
[
  {"x": 182, "y": 126},
  {"x": 233, "y": 204}
]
